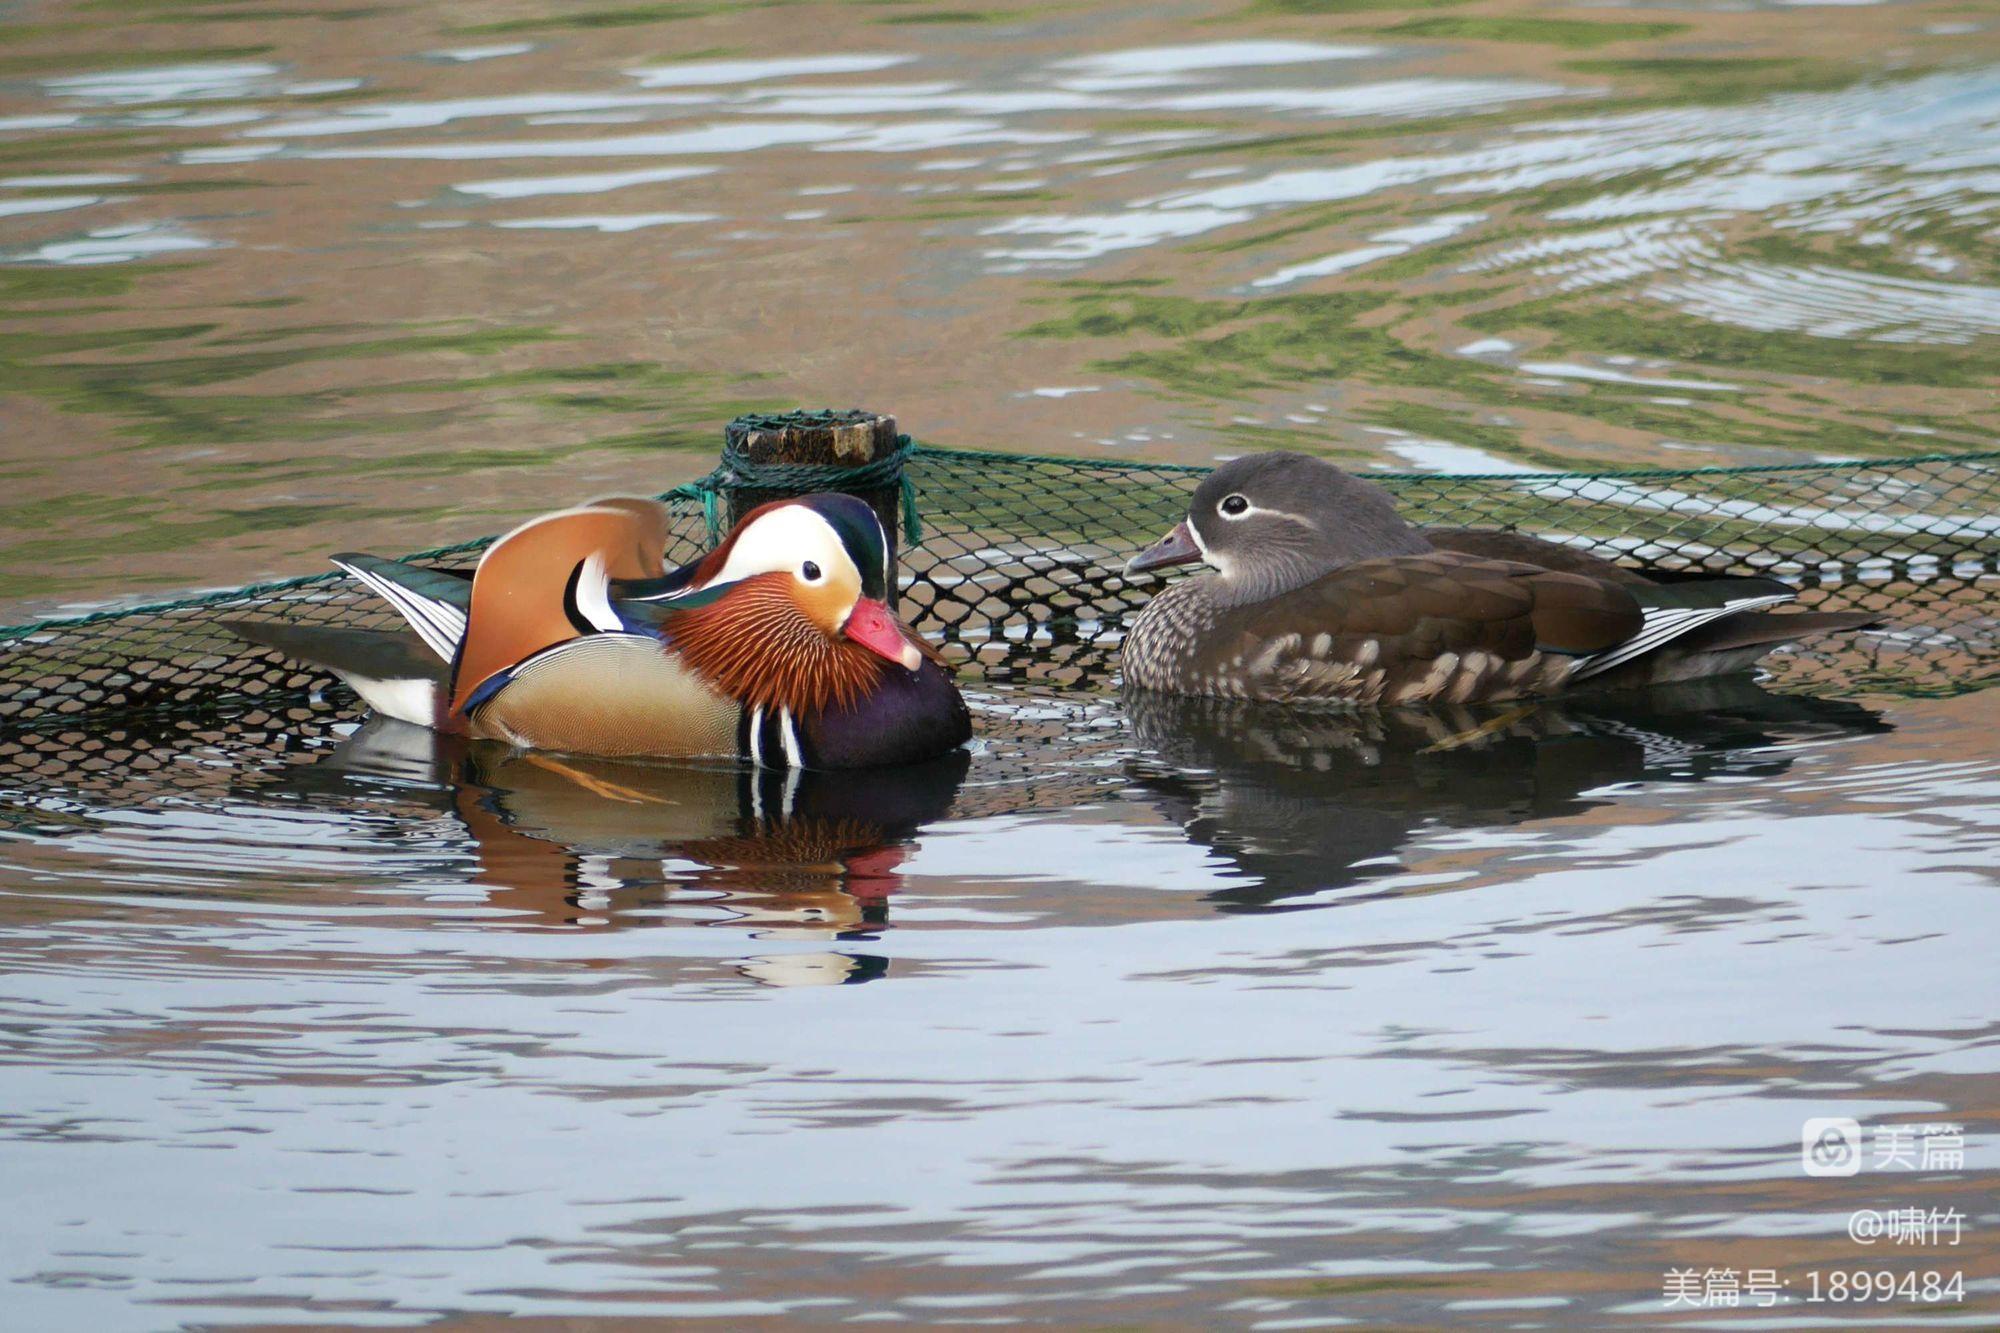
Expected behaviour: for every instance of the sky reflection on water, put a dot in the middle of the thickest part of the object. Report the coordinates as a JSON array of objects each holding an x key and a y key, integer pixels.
[{"x": 446, "y": 1030}]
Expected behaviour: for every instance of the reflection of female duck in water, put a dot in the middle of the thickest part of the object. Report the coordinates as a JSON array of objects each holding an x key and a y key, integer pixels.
[
  {"x": 1304, "y": 801},
  {"x": 578, "y": 841}
]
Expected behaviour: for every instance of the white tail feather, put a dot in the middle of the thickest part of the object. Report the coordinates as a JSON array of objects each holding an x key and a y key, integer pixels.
[
  {"x": 1664, "y": 624},
  {"x": 437, "y": 622}
]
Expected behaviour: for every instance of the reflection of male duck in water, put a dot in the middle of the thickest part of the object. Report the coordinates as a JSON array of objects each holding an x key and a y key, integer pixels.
[
  {"x": 580, "y": 841},
  {"x": 1302, "y": 801}
]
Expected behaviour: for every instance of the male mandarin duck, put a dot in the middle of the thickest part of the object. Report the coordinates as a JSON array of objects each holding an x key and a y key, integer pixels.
[
  {"x": 1321, "y": 591},
  {"x": 778, "y": 646}
]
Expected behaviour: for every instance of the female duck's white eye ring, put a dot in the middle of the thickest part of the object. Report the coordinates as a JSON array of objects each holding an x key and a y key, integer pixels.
[
  {"x": 1233, "y": 506},
  {"x": 810, "y": 571}
]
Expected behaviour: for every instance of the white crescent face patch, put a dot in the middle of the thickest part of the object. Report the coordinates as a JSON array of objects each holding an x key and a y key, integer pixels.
[{"x": 788, "y": 539}]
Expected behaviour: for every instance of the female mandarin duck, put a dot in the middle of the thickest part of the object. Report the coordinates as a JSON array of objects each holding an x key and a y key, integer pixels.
[
  {"x": 1321, "y": 591},
  {"x": 570, "y": 635}
]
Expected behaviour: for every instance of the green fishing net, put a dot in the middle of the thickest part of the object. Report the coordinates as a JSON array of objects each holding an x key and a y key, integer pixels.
[{"x": 1013, "y": 565}]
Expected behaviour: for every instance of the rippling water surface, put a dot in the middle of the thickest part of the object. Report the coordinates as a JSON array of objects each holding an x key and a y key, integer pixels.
[
  {"x": 320, "y": 276},
  {"x": 1147, "y": 1013},
  {"x": 1141, "y": 1015}
]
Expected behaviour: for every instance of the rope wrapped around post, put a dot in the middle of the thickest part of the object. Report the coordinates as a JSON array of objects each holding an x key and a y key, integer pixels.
[
  {"x": 776, "y": 456},
  {"x": 737, "y": 473}
]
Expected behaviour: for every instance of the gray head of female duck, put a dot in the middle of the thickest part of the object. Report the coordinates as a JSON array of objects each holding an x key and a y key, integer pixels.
[{"x": 1274, "y": 522}]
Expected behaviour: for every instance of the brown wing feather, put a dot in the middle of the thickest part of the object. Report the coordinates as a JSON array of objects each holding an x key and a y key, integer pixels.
[
  {"x": 1576, "y": 614},
  {"x": 1521, "y": 549},
  {"x": 1771, "y": 628},
  {"x": 1434, "y": 626},
  {"x": 518, "y": 590}
]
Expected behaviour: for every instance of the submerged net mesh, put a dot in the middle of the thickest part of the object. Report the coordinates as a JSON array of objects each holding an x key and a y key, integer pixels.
[{"x": 1013, "y": 565}]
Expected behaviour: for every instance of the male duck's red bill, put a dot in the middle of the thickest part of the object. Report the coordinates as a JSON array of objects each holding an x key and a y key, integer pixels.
[
  {"x": 874, "y": 626},
  {"x": 778, "y": 646}
]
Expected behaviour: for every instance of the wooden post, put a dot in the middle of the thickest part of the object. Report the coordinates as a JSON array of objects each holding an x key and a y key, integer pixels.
[{"x": 851, "y": 438}]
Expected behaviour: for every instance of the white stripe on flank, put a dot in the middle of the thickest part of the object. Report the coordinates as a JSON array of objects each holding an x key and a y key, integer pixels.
[
  {"x": 790, "y": 735},
  {"x": 756, "y": 735}
]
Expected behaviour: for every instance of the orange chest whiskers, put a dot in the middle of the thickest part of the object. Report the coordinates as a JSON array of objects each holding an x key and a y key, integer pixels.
[{"x": 758, "y": 646}]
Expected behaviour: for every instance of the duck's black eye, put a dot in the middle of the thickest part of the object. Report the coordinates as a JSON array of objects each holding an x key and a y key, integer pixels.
[
  {"x": 810, "y": 571},
  {"x": 1234, "y": 506}
]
